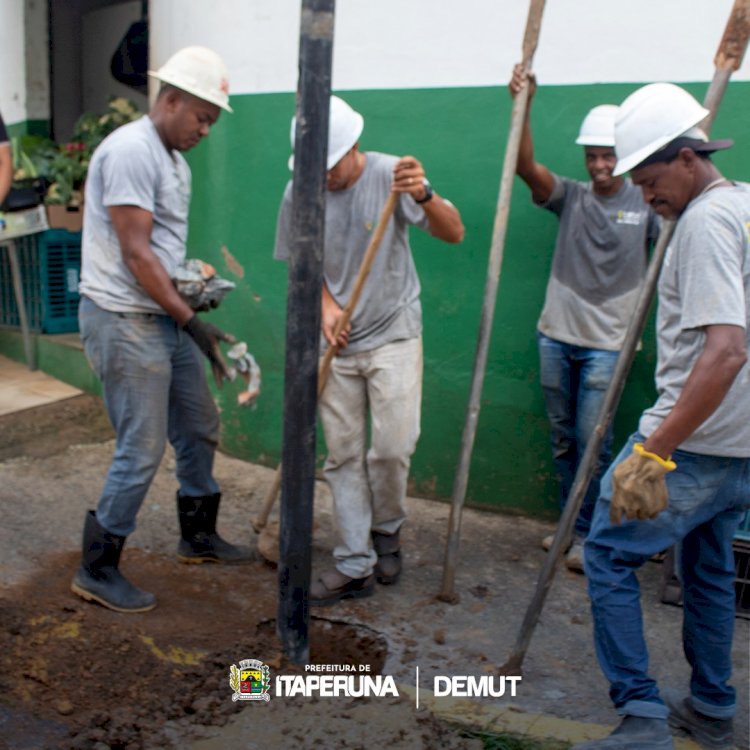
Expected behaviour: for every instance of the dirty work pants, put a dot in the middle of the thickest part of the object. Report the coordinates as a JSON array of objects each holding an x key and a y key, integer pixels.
[
  {"x": 707, "y": 496},
  {"x": 154, "y": 388},
  {"x": 369, "y": 486},
  {"x": 574, "y": 382}
]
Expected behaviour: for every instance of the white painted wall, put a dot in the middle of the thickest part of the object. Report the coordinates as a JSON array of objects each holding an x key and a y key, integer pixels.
[
  {"x": 12, "y": 45},
  {"x": 37, "y": 60},
  {"x": 24, "y": 83},
  {"x": 400, "y": 43},
  {"x": 435, "y": 43}
]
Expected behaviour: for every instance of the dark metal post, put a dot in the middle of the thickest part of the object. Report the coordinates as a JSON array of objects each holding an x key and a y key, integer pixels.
[{"x": 303, "y": 325}]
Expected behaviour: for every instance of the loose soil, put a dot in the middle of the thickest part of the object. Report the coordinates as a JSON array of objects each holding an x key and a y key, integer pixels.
[
  {"x": 50, "y": 429},
  {"x": 92, "y": 678},
  {"x": 75, "y": 675}
]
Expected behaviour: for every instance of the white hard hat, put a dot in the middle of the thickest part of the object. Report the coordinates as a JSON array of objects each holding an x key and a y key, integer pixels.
[
  {"x": 200, "y": 72},
  {"x": 652, "y": 117},
  {"x": 598, "y": 127},
  {"x": 344, "y": 128}
]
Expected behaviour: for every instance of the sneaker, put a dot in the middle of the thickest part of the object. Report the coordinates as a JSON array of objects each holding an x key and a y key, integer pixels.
[
  {"x": 574, "y": 558},
  {"x": 333, "y": 586},
  {"x": 634, "y": 733},
  {"x": 715, "y": 734},
  {"x": 547, "y": 543}
]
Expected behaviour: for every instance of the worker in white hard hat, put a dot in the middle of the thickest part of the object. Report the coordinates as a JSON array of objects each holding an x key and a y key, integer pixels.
[
  {"x": 683, "y": 478},
  {"x": 375, "y": 381},
  {"x": 144, "y": 341},
  {"x": 598, "y": 266}
]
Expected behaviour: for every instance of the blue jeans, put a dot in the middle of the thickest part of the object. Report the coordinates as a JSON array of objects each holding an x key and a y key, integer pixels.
[
  {"x": 706, "y": 499},
  {"x": 154, "y": 387},
  {"x": 574, "y": 381}
]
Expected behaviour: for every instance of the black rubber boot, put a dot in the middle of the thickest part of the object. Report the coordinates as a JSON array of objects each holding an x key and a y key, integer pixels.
[
  {"x": 388, "y": 549},
  {"x": 200, "y": 542},
  {"x": 99, "y": 580}
]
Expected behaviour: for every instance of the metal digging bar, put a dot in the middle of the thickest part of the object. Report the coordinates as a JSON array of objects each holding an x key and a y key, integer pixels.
[
  {"x": 303, "y": 325},
  {"x": 728, "y": 58},
  {"x": 590, "y": 459},
  {"x": 520, "y": 103}
]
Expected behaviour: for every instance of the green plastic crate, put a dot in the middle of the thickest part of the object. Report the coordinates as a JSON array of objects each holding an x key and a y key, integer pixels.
[{"x": 50, "y": 267}]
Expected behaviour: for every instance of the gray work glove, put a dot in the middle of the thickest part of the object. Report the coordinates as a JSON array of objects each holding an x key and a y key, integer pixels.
[{"x": 207, "y": 337}]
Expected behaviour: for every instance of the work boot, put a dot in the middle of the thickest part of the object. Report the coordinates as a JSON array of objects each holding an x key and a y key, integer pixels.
[
  {"x": 573, "y": 554},
  {"x": 634, "y": 733},
  {"x": 99, "y": 580},
  {"x": 388, "y": 548},
  {"x": 547, "y": 543},
  {"x": 200, "y": 542},
  {"x": 715, "y": 734},
  {"x": 333, "y": 586},
  {"x": 574, "y": 558}
]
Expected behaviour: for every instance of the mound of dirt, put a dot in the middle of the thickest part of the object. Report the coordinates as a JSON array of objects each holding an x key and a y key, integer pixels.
[{"x": 78, "y": 676}]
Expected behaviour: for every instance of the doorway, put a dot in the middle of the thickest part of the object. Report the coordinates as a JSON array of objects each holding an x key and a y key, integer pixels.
[{"x": 84, "y": 37}]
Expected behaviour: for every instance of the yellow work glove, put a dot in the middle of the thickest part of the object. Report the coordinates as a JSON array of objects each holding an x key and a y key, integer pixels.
[{"x": 639, "y": 490}]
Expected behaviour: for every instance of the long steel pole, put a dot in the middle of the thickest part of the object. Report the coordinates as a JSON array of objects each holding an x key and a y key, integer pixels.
[
  {"x": 729, "y": 57},
  {"x": 590, "y": 459},
  {"x": 520, "y": 103}
]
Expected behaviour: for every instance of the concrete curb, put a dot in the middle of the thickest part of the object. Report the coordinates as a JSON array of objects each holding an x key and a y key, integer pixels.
[{"x": 480, "y": 715}]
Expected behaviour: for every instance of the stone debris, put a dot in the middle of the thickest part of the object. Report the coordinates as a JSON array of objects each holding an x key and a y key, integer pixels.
[
  {"x": 245, "y": 366},
  {"x": 199, "y": 285}
]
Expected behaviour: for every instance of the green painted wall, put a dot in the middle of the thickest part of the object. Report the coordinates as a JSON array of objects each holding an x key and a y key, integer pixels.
[
  {"x": 239, "y": 175},
  {"x": 30, "y": 127}
]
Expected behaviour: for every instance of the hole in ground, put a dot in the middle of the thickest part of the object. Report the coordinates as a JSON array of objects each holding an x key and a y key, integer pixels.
[{"x": 337, "y": 642}]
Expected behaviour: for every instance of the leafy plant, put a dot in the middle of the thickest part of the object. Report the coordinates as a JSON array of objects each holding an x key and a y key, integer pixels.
[{"x": 64, "y": 166}]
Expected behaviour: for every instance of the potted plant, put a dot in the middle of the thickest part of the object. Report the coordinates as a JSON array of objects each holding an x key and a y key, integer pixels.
[{"x": 63, "y": 167}]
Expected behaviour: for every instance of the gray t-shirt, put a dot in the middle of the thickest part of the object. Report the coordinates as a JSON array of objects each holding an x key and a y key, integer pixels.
[
  {"x": 705, "y": 281},
  {"x": 132, "y": 167},
  {"x": 599, "y": 263},
  {"x": 388, "y": 308}
]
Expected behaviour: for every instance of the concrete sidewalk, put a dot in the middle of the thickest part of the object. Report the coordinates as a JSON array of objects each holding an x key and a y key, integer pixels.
[{"x": 21, "y": 388}]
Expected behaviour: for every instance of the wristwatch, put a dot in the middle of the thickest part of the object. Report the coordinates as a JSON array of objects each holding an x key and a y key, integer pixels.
[{"x": 428, "y": 193}]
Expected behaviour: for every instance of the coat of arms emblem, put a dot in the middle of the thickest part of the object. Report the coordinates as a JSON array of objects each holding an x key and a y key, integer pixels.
[{"x": 250, "y": 681}]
